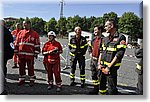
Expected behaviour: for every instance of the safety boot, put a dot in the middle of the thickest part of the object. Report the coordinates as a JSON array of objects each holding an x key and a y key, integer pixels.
[
  {"x": 94, "y": 91},
  {"x": 31, "y": 83},
  {"x": 72, "y": 83},
  {"x": 21, "y": 82},
  {"x": 82, "y": 84}
]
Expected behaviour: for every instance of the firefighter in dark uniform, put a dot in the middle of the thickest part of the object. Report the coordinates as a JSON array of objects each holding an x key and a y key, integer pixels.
[
  {"x": 94, "y": 51},
  {"x": 139, "y": 69},
  {"x": 78, "y": 46},
  {"x": 113, "y": 47}
]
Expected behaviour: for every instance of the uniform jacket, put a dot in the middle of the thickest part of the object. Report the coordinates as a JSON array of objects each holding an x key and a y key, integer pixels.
[
  {"x": 73, "y": 46},
  {"x": 27, "y": 44},
  {"x": 54, "y": 56},
  {"x": 8, "y": 44},
  {"x": 15, "y": 33},
  {"x": 114, "y": 47}
]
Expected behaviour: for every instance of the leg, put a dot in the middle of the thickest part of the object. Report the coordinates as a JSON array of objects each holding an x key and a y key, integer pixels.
[
  {"x": 22, "y": 73},
  {"x": 81, "y": 61},
  {"x": 112, "y": 82},
  {"x": 50, "y": 75},
  {"x": 73, "y": 68},
  {"x": 30, "y": 64}
]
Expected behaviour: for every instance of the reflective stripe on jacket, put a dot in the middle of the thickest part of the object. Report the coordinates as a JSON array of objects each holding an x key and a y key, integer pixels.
[
  {"x": 73, "y": 46},
  {"x": 114, "y": 47},
  {"x": 27, "y": 44}
]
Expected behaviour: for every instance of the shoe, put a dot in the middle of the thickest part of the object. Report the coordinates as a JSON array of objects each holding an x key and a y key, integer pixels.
[
  {"x": 31, "y": 83},
  {"x": 21, "y": 82},
  {"x": 82, "y": 85},
  {"x": 15, "y": 66},
  {"x": 72, "y": 83},
  {"x": 58, "y": 89},
  {"x": 93, "y": 92},
  {"x": 50, "y": 87}
]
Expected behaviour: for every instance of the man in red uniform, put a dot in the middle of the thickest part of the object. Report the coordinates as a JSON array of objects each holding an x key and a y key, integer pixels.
[
  {"x": 14, "y": 34},
  {"x": 51, "y": 51},
  {"x": 27, "y": 46}
]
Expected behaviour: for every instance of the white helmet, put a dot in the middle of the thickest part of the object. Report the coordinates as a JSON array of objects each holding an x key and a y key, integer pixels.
[{"x": 52, "y": 33}]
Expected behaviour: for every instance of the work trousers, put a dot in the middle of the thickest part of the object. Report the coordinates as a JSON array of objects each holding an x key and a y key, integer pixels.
[
  {"x": 140, "y": 84},
  {"x": 81, "y": 60},
  {"x": 22, "y": 67},
  {"x": 54, "y": 68},
  {"x": 111, "y": 80},
  {"x": 94, "y": 70}
]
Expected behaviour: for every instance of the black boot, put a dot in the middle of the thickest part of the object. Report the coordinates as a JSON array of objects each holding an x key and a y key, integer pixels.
[
  {"x": 94, "y": 91},
  {"x": 72, "y": 82},
  {"x": 82, "y": 84}
]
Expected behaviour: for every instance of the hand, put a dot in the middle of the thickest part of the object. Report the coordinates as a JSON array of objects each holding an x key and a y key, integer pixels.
[
  {"x": 105, "y": 70},
  {"x": 99, "y": 67}
]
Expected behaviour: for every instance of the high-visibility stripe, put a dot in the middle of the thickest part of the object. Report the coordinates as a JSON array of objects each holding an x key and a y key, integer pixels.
[
  {"x": 107, "y": 63},
  {"x": 36, "y": 45},
  {"x": 82, "y": 78},
  {"x": 26, "y": 53},
  {"x": 36, "y": 51},
  {"x": 110, "y": 49},
  {"x": 72, "y": 54},
  {"x": 25, "y": 43},
  {"x": 82, "y": 75},
  {"x": 95, "y": 82},
  {"x": 71, "y": 45},
  {"x": 102, "y": 91},
  {"x": 121, "y": 46},
  {"x": 138, "y": 66},
  {"x": 83, "y": 46},
  {"x": 72, "y": 75}
]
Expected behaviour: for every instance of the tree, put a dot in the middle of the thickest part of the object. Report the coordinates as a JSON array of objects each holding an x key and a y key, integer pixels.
[
  {"x": 129, "y": 24},
  {"x": 38, "y": 25},
  {"x": 111, "y": 15},
  {"x": 51, "y": 25}
]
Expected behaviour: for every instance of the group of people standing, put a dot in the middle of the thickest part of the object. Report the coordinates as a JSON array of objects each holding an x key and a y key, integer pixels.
[{"x": 106, "y": 55}]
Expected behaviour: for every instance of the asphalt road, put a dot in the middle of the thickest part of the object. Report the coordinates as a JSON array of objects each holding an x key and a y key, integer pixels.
[{"x": 127, "y": 77}]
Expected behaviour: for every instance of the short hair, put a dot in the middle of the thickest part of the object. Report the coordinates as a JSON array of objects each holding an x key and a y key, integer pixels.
[
  {"x": 77, "y": 28},
  {"x": 114, "y": 22},
  {"x": 101, "y": 27},
  {"x": 27, "y": 21}
]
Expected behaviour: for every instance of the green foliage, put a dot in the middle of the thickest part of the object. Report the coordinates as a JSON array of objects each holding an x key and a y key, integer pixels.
[{"x": 128, "y": 23}]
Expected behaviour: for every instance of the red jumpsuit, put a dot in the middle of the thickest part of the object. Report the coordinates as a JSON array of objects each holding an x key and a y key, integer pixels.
[
  {"x": 27, "y": 46},
  {"x": 52, "y": 61},
  {"x": 14, "y": 34}
]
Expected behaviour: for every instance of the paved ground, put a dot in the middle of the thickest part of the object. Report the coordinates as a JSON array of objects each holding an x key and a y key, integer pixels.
[{"x": 127, "y": 77}]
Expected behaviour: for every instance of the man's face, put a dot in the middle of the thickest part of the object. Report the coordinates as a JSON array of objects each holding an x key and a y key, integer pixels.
[
  {"x": 96, "y": 31},
  {"x": 50, "y": 37},
  {"x": 78, "y": 31},
  {"x": 18, "y": 26},
  {"x": 108, "y": 26},
  {"x": 26, "y": 25}
]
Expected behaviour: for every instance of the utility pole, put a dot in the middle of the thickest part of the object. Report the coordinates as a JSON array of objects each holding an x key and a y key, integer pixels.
[{"x": 61, "y": 8}]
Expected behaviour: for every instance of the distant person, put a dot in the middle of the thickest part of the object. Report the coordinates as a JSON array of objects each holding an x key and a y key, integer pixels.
[
  {"x": 139, "y": 69},
  {"x": 8, "y": 51},
  {"x": 14, "y": 34},
  {"x": 78, "y": 46},
  {"x": 51, "y": 51},
  {"x": 27, "y": 46},
  {"x": 94, "y": 51},
  {"x": 113, "y": 49}
]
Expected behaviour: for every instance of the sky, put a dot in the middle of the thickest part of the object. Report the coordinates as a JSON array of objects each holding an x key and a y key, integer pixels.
[{"x": 46, "y": 9}]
